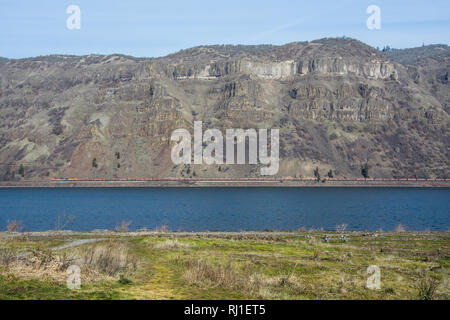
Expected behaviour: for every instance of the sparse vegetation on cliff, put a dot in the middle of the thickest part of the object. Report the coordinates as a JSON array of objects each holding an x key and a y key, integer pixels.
[
  {"x": 317, "y": 174},
  {"x": 365, "y": 170}
]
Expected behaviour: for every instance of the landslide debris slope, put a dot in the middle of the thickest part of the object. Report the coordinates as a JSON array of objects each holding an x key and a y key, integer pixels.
[{"x": 337, "y": 102}]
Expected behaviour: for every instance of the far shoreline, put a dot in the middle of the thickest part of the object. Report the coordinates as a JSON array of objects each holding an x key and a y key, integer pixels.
[
  {"x": 99, "y": 233},
  {"x": 218, "y": 184}
]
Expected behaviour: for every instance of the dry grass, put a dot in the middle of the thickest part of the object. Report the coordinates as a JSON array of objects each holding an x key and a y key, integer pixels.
[
  {"x": 110, "y": 258},
  {"x": 97, "y": 262},
  {"x": 316, "y": 254},
  {"x": 7, "y": 257},
  {"x": 200, "y": 272},
  {"x": 40, "y": 263},
  {"x": 171, "y": 244},
  {"x": 203, "y": 274}
]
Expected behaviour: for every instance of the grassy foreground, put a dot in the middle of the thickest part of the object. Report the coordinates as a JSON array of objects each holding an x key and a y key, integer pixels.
[{"x": 253, "y": 265}]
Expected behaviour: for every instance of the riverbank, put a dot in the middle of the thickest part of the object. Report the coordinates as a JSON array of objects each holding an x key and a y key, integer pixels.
[
  {"x": 206, "y": 183},
  {"x": 226, "y": 265}
]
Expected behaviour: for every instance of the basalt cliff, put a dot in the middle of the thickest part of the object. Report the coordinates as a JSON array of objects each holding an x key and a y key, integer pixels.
[{"x": 338, "y": 104}]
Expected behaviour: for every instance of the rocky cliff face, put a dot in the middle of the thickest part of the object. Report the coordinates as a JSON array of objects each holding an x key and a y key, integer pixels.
[{"x": 337, "y": 102}]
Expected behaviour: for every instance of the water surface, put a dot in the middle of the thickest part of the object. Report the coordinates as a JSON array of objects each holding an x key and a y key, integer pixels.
[{"x": 233, "y": 209}]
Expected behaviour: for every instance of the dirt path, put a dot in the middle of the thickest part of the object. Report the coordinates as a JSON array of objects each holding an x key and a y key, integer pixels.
[
  {"x": 155, "y": 289},
  {"x": 77, "y": 243}
]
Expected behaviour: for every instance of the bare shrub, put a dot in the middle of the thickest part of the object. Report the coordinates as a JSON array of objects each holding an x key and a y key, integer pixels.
[
  {"x": 7, "y": 257},
  {"x": 47, "y": 259},
  {"x": 163, "y": 228},
  {"x": 111, "y": 258},
  {"x": 123, "y": 226},
  {"x": 172, "y": 244},
  {"x": 341, "y": 227},
  {"x": 63, "y": 221},
  {"x": 278, "y": 287},
  {"x": 286, "y": 280},
  {"x": 427, "y": 288},
  {"x": 400, "y": 228},
  {"x": 40, "y": 263},
  {"x": 14, "y": 226}
]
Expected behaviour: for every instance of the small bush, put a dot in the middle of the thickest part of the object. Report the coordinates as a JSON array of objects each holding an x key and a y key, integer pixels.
[
  {"x": 427, "y": 288},
  {"x": 124, "y": 280},
  {"x": 6, "y": 257},
  {"x": 14, "y": 226},
  {"x": 365, "y": 170},
  {"x": 317, "y": 174},
  {"x": 286, "y": 281},
  {"x": 330, "y": 174},
  {"x": 21, "y": 170},
  {"x": 123, "y": 226},
  {"x": 389, "y": 290}
]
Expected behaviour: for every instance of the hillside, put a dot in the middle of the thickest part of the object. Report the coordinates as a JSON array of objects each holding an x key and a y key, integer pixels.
[{"x": 337, "y": 102}]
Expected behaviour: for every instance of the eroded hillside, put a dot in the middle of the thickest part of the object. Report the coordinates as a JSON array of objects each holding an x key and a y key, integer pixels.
[{"x": 337, "y": 102}]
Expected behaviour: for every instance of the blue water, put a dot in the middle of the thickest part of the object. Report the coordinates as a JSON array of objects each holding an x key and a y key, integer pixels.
[{"x": 234, "y": 209}]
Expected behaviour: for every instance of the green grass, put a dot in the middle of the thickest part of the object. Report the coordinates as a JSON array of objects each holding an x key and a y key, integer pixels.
[
  {"x": 14, "y": 288},
  {"x": 262, "y": 266}
]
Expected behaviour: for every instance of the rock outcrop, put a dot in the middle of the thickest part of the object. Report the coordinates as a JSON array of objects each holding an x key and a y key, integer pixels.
[{"x": 337, "y": 102}]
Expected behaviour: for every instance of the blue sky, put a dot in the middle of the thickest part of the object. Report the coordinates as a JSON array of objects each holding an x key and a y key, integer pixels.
[{"x": 154, "y": 28}]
